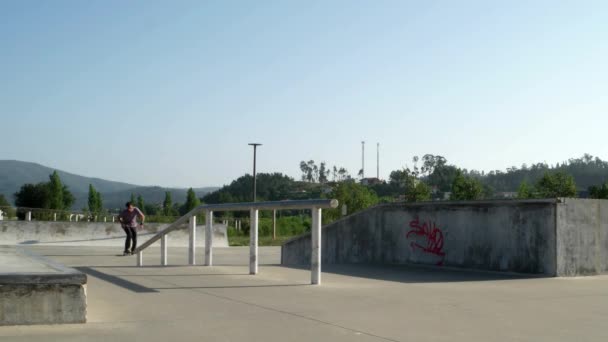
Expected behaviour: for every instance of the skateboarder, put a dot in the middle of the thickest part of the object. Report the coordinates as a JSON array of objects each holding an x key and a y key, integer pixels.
[{"x": 128, "y": 220}]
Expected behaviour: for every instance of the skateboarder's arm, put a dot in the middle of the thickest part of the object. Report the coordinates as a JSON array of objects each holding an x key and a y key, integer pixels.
[{"x": 141, "y": 215}]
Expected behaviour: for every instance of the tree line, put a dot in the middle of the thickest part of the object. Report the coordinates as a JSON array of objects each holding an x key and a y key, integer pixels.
[
  {"x": 47, "y": 195},
  {"x": 430, "y": 177},
  {"x": 54, "y": 195},
  {"x": 313, "y": 173}
]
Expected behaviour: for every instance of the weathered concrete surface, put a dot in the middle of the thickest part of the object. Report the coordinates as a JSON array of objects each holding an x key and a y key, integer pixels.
[
  {"x": 582, "y": 231},
  {"x": 25, "y": 304},
  {"x": 35, "y": 290},
  {"x": 359, "y": 303},
  {"x": 515, "y": 236},
  {"x": 95, "y": 234}
]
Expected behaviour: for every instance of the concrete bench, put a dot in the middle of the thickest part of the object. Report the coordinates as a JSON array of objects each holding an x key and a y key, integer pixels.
[{"x": 35, "y": 290}]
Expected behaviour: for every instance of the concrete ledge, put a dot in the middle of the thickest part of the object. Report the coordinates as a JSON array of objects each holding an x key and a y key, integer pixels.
[
  {"x": 45, "y": 233},
  {"x": 35, "y": 290}
]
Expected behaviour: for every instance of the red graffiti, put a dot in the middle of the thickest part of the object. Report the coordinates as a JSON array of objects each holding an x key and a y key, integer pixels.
[{"x": 432, "y": 235}]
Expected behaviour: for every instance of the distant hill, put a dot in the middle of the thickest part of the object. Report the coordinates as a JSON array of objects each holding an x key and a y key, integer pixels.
[{"x": 14, "y": 173}]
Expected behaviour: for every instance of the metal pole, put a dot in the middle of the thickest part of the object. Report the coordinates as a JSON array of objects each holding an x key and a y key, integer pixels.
[
  {"x": 255, "y": 147},
  {"x": 254, "y": 172}
]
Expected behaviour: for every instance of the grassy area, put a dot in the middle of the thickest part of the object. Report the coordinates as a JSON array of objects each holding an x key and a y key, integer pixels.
[
  {"x": 287, "y": 227},
  {"x": 243, "y": 240}
]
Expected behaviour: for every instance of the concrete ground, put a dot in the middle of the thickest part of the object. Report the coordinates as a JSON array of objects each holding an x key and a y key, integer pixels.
[{"x": 355, "y": 303}]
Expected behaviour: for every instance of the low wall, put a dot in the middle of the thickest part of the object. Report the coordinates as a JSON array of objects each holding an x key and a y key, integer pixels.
[
  {"x": 582, "y": 230},
  {"x": 34, "y": 290},
  {"x": 96, "y": 234},
  {"x": 515, "y": 236}
]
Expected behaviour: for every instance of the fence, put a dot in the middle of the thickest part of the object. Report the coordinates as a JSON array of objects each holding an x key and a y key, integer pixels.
[{"x": 39, "y": 214}]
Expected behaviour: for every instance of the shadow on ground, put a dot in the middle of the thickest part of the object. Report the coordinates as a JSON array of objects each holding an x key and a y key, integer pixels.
[
  {"x": 132, "y": 286},
  {"x": 417, "y": 273}
]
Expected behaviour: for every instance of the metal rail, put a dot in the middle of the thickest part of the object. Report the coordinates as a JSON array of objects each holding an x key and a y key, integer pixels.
[{"x": 315, "y": 206}]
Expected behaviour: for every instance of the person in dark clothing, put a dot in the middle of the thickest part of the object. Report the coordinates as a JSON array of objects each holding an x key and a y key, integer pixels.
[{"x": 128, "y": 220}]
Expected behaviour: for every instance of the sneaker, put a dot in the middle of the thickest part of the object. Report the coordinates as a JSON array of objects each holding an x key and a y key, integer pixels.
[{"x": 126, "y": 253}]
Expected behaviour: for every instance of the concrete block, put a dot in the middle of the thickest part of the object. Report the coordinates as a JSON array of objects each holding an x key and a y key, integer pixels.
[{"x": 35, "y": 290}]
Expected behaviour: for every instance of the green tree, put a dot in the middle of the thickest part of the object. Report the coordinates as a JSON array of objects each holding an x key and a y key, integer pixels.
[
  {"x": 94, "y": 200},
  {"x": 418, "y": 191},
  {"x": 33, "y": 196},
  {"x": 525, "y": 191},
  {"x": 152, "y": 209},
  {"x": 356, "y": 197},
  {"x": 140, "y": 204},
  {"x": 191, "y": 202},
  {"x": 49, "y": 195},
  {"x": 557, "y": 184},
  {"x": 3, "y": 201},
  {"x": 466, "y": 188},
  {"x": 323, "y": 173},
  {"x": 599, "y": 192},
  {"x": 270, "y": 186},
  {"x": 168, "y": 208},
  {"x": 5, "y": 206},
  {"x": 68, "y": 198},
  {"x": 55, "y": 192},
  {"x": 407, "y": 182},
  {"x": 132, "y": 200}
]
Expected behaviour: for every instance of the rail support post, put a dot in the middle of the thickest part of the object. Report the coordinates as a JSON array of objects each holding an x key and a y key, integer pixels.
[
  {"x": 209, "y": 238},
  {"x": 253, "y": 242},
  {"x": 192, "y": 242},
  {"x": 163, "y": 250},
  {"x": 315, "y": 254},
  {"x": 274, "y": 224},
  {"x": 140, "y": 259}
]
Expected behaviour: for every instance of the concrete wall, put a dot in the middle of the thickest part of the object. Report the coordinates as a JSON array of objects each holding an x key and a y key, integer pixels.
[
  {"x": 95, "y": 234},
  {"x": 582, "y": 230},
  {"x": 516, "y": 236}
]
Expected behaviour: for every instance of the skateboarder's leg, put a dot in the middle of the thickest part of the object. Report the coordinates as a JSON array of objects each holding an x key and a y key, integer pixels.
[
  {"x": 128, "y": 232},
  {"x": 134, "y": 238}
]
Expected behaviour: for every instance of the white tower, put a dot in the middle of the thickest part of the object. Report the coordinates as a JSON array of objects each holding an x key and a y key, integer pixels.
[
  {"x": 378, "y": 160},
  {"x": 362, "y": 159}
]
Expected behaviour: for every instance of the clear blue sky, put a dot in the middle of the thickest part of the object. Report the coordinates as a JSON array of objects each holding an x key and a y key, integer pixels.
[{"x": 171, "y": 92}]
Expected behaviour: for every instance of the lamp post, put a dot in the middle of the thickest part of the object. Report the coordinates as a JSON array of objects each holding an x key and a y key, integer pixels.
[{"x": 255, "y": 147}]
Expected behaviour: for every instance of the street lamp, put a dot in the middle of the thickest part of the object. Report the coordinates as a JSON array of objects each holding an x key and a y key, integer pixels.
[{"x": 255, "y": 146}]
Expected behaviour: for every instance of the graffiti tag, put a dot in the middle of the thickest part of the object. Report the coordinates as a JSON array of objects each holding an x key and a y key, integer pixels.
[{"x": 430, "y": 235}]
